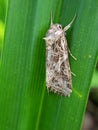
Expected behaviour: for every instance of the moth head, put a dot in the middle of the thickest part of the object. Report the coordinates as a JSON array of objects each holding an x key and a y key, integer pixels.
[
  {"x": 53, "y": 34},
  {"x": 56, "y": 30},
  {"x": 56, "y": 27}
]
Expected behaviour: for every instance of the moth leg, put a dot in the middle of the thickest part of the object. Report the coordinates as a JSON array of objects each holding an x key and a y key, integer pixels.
[
  {"x": 69, "y": 25},
  {"x": 73, "y": 74},
  {"x": 71, "y": 55}
]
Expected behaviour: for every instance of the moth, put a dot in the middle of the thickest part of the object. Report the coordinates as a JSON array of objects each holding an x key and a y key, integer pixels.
[{"x": 58, "y": 73}]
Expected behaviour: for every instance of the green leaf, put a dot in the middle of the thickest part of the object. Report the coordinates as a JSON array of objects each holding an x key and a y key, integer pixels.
[
  {"x": 24, "y": 100},
  {"x": 3, "y": 6},
  {"x": 94, "y": 82}
]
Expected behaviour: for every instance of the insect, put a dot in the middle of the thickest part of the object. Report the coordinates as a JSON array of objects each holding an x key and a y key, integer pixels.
[{"x": 58, "y": 73}]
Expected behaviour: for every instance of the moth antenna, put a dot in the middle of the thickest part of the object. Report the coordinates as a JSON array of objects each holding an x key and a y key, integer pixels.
[
  {"x": 69, "y": 25},
  {"x": 51, "y": 18}
]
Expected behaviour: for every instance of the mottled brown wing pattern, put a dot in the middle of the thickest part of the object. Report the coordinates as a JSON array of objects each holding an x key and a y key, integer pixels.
[{"x": 58, "y": 74}]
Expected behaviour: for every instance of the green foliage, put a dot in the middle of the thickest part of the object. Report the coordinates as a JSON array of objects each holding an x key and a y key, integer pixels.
[
  {"x": 94, "y": 82},
  {"x": 1, "y": 33},
  {"x": 3, "y": 6},
  {"x": 24, "y": 100}
]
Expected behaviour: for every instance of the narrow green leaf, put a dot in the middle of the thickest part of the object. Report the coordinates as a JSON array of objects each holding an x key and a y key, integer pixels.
[
  {"x": 24, "y": 100},
  {"x": 94, "y": 82}
]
